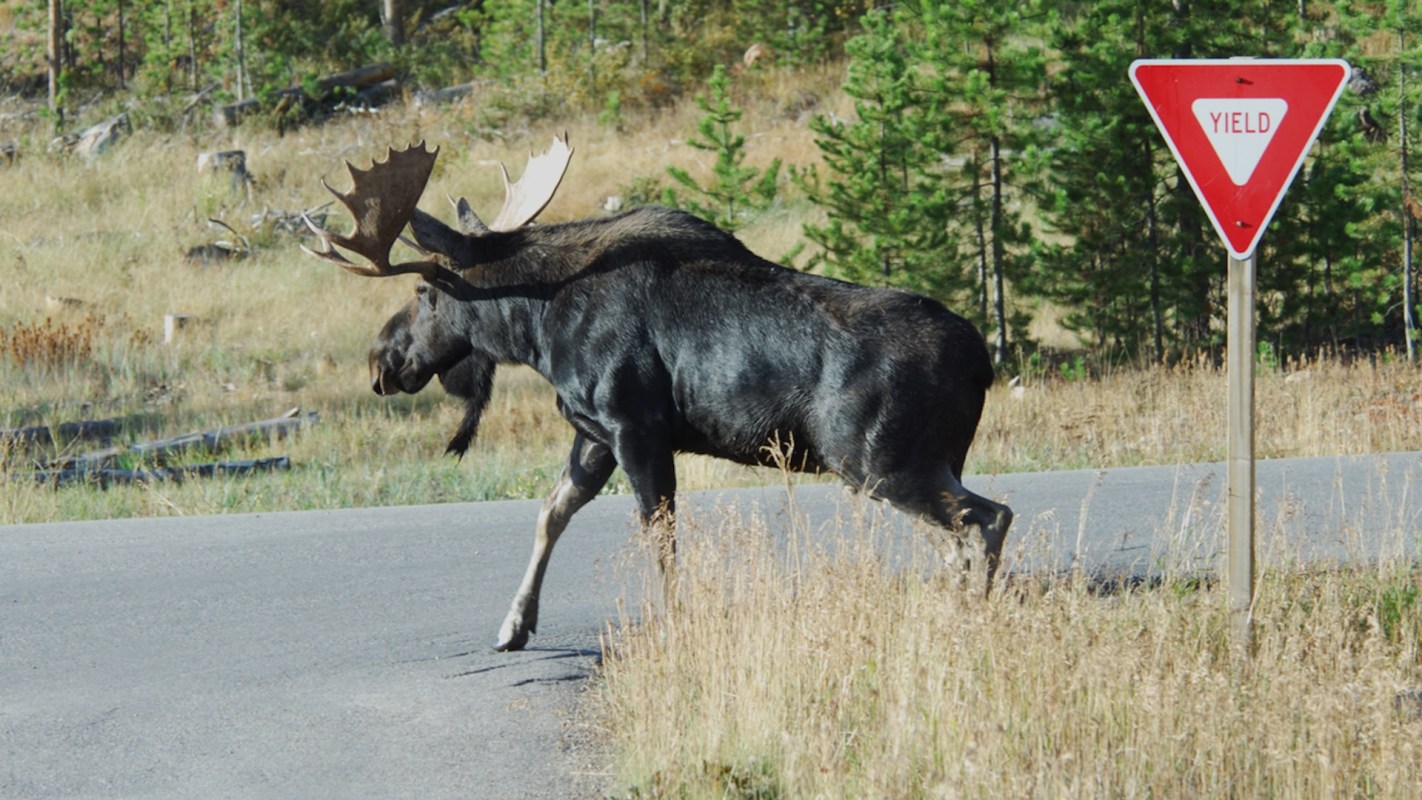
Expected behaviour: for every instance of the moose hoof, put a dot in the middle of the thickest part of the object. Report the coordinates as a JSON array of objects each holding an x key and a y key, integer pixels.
[
  {"x": 508, "y": 645},
  {"x": 512, "y": 636}
]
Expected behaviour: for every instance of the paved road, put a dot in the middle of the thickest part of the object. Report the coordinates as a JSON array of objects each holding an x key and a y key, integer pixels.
[{"x": 345, "y": 654}]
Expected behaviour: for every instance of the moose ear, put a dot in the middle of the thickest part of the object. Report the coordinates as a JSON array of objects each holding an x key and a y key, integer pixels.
[
  {"x": 436, "y": 237},
  {"x": 469, "y": 222}
]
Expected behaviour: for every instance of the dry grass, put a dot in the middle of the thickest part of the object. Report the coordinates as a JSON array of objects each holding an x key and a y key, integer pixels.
[
  {"x": 1135, "y": 417},
  {"x": 93, "y": 257},
  {"x": 814, "y": 669},
  {"x": 93, "y": 254}
]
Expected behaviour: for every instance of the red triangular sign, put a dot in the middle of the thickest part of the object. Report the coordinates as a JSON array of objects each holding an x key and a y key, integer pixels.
[{"x": 1240, "y": 129}]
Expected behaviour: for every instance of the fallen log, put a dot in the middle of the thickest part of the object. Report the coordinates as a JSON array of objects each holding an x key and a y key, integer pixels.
[
  {"x": 32, "y": 436},
  {"x": 92, "y": 459},
  {"x": 211, "y": 441},
  {"x": 448, "y": 94},
  {"x": 220, "y": 250},
  {"x": 104, "y": 477},
  {"x": 235, "y": 468},
  {"x": 90, "y": 430},
  {"x": 214, "y": 440},
  {"x": 98, "y": 139},
  {"x": 376, "y": 95},
  {"x": 95, "y": 139},
  {"x": 355, "y": 79}
]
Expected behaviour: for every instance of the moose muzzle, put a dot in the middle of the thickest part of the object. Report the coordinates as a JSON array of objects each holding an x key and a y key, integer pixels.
[{"x": 384, "y": 376}]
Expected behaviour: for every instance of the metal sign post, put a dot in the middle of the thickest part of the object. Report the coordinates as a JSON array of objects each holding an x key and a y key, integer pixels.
[{"x": 1240, "y": 467}]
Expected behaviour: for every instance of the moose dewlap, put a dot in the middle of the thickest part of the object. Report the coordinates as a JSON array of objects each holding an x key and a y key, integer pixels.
[{"x": 661, "y": 334}]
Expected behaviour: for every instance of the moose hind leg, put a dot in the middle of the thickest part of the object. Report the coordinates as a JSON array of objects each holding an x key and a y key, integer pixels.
[
  {"x": 645, "y": 454},
  {"x": 589, "y": 467},
  {"x": 950, "y": 505},
  {"x": 992, "y": 520}
]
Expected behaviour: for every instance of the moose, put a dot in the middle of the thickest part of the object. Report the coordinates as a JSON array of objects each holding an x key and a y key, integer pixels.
[{"x": 662, "y": 333}]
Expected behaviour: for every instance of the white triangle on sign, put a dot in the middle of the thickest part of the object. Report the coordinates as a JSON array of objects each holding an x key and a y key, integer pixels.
[{"x": 1240, "y": 130}]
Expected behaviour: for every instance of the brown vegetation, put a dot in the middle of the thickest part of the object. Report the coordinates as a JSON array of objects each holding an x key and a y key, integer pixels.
[
  {"x": 805, "y": 670},
  {"x": 49, "y": 343}
]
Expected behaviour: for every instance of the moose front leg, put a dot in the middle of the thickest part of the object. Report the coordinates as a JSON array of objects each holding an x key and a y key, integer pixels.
[{"x": 589, "y": 466}]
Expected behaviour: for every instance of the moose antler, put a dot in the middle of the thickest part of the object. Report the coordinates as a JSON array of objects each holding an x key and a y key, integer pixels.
[
  {"x": 524, "y": 200},
  {"x": 382, "y": 201}
]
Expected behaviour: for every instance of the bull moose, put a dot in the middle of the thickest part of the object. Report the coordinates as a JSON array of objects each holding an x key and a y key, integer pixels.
[{"x": 661, "y": 333}]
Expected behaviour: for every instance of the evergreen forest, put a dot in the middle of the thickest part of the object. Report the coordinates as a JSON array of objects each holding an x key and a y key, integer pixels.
[{"x": 997, "y": 156}]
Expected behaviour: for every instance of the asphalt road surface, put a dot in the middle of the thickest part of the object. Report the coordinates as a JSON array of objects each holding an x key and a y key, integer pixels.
[{"x": 346, "y": 653}]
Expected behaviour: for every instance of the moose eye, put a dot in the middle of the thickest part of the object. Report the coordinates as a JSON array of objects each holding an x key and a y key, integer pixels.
[{"x": 426, "y": 294}]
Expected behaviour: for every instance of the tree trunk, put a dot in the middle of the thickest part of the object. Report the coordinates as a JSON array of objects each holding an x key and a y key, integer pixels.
[
  {"x": 192, "y": 45},
  {"x": 122, "y": 55},
  {"x": 995, "y": 225},
  {"x": 392, "y": 17},
  {"x": 363, "y": 78},
  {"x": 53, "y": 54},
  {"x": 1409, "y": 219},
  {"x": 592, "y": 44},
  {"x": 646, "y": 23},
  {"x": 999, "y": 257},
  {"x": 982, "y": 247},
  {"x": 241, "y": 57},
  {"x": 539, "y": 40}
]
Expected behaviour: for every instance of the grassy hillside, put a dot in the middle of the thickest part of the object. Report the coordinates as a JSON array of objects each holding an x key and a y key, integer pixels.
[{"x": 94, "y": 253}]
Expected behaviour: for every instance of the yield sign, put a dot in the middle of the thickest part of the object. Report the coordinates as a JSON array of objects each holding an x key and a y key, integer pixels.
[{"x": 1240, "y": 129}]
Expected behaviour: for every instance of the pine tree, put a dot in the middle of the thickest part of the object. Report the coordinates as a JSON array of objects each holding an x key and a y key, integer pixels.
[
  {"x": 735, "y": 190},
  {"x": 983, "y": 54},
  {"x": 1387, "y": 95},
  {"x": 1137, "y": 261},
  {"x": 1109, "y": 270},
  {"x": 886, "y": 192}
]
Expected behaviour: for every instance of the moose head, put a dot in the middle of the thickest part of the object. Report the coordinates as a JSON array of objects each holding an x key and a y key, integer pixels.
[{"x": 419, "y": 342}]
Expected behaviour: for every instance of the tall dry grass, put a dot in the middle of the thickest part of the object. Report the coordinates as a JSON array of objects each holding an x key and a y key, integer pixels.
[
  {"x": 843, "y": 669},
  {"x": 98, "y": 246},
  {"x": 1132, "y": 417}
]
